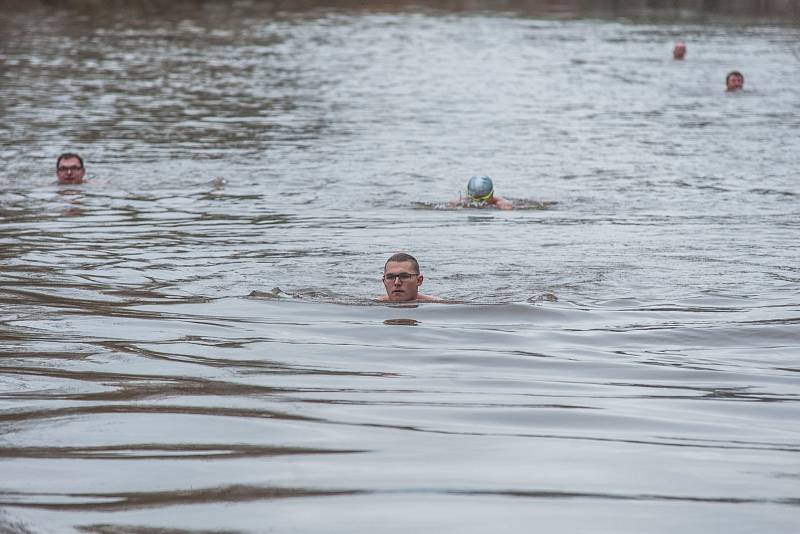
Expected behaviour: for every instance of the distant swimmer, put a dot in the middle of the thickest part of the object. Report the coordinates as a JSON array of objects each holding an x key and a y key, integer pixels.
[
  {"x": 401, "y": 278},
  {"x": 734, "y": 81},
  {"x": 480, "y": 193},
  {"x": 70, "y": 169},
  {"x": 679, "y": 51}
]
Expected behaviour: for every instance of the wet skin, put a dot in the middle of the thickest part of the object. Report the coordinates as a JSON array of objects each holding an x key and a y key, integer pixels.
[
  {"x": 734, "y": 82},
  {"x": 398, "y": 290},
  {"x": 70, "y": 171}
]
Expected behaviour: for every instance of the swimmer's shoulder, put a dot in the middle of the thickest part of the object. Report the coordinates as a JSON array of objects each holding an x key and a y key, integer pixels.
[{"x": 430, "y": 298}]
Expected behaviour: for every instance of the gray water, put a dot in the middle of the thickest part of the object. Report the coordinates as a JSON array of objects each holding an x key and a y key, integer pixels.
[{"x": 189, "y": 340}]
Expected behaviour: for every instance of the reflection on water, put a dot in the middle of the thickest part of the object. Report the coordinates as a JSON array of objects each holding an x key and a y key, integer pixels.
[
  {"x": 401, "y": 322},
  {"x": 190, "y": 341}
]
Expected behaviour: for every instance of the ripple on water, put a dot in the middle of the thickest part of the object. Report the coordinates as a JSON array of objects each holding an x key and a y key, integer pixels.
[{"x": 190, "y": 340}]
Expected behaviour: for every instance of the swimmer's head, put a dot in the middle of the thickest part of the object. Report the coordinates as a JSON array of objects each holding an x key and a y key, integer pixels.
[
  {"x": 480, "y": 188},
  {"x": 679, "y": 51},
  {"x": 734, "y": 81}
]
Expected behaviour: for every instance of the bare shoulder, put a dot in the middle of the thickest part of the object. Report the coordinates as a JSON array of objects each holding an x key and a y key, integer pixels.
[
  {"x": 504, "y": 204},
  {"x": 429, "y": 298}
]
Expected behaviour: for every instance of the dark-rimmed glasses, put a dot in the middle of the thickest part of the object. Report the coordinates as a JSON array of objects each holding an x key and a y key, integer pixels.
[{"x": 404, "y": 277}]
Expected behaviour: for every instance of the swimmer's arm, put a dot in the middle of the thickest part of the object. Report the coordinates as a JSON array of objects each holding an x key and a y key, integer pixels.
[{"x": 503, "y": 204}]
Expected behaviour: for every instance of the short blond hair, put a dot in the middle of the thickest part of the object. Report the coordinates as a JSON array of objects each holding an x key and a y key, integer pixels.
[{"x": 400, "y": 257}]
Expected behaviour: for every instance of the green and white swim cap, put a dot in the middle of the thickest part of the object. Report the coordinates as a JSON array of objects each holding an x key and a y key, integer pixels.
[{"x": 480, "y": 188}]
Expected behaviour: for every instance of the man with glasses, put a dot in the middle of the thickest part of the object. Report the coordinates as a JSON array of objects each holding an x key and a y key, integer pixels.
[
  {"x": 401, "y": 278},
  {"x": 69, "y": 168}
]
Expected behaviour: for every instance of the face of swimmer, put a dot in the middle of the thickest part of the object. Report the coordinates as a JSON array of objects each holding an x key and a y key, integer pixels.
[
  {"x": 734, "y": 81},
  {"x": 401, "y": 280},
  {"x": 69, "y": 170},
  {"x": 679, "y": 51}
]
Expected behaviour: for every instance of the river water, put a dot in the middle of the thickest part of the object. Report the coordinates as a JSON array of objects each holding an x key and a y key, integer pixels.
[{"x": 189, "y": 340}]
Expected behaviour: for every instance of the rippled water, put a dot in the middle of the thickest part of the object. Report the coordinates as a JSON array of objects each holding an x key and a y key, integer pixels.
[{"x": 189, "y": 342}]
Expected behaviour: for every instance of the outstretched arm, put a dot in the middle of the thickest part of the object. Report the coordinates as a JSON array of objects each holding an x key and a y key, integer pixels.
[{"x": 503, "y": 204}]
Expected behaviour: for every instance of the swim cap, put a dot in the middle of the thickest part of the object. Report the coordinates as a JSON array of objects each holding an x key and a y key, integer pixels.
[{"x": 480, "y": 188}]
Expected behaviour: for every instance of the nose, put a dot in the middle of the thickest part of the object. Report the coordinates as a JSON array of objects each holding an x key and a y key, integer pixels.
[{"x": 398, "y": 282}]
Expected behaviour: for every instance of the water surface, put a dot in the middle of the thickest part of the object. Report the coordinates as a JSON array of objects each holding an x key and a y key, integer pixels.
[{"x": 189, "y": 341}]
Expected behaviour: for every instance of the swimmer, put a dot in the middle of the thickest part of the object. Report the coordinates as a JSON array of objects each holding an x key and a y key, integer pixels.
[
  {"x": 401, "y": 278},
  {"x": 679, "y": 51},
  {"x": 734, "y": 81},
  {"x": 70, "y": 169},
  {"x": 480, "y": 193}
]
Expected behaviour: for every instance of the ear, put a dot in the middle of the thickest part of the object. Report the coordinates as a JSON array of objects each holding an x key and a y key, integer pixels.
[{"x": 419, "y": 280}]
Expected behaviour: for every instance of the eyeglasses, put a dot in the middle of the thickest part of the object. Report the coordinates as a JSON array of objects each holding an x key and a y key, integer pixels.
[
  {"x": 404, "y": 277},
  {"x": 74, "y": 168}
]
